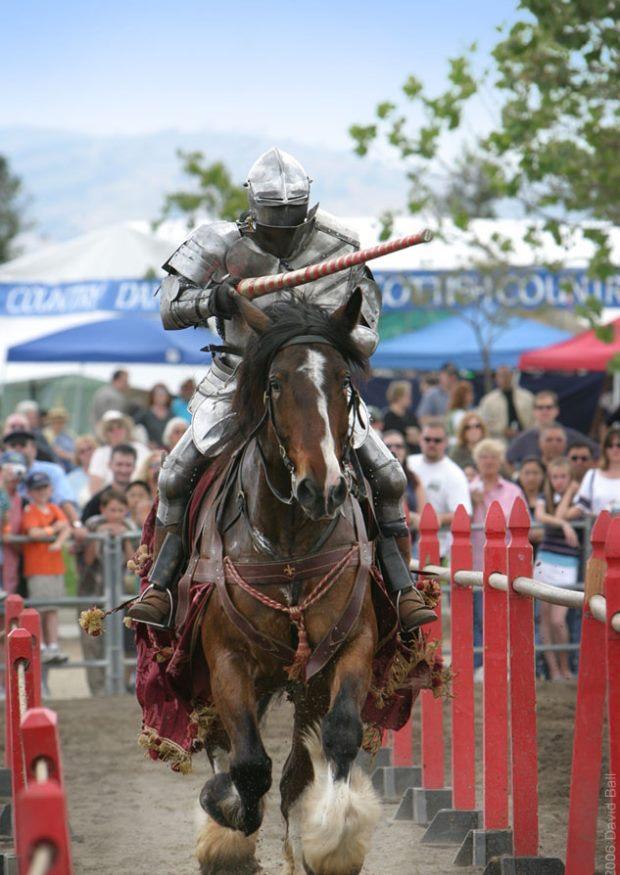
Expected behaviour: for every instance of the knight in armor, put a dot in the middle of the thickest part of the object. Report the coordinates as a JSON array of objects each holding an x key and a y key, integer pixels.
[{"x": 278, "y": 233}]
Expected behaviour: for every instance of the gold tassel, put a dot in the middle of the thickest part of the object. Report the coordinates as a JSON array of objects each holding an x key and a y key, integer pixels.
[
  {"x": 371, "y": 739},
  {"x": 91, "y": 621},
  {"x": 167, "y": 751},
  {"x": 139, "y": 559}
]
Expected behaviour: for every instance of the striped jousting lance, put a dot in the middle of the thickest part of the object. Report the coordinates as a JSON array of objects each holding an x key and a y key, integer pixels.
[{"x": 255, "y": 287}]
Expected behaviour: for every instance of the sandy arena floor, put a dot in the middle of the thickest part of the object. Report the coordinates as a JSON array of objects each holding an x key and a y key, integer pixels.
[{"x": 130, "y": 816}]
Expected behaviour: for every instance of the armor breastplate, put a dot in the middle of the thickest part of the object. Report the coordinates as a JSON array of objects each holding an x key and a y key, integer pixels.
[{"x": 327, "y": 238}]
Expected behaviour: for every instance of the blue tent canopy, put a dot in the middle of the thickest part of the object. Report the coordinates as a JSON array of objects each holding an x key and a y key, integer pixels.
[
  {"x": 130, "y": 339},
  {"x": 453, "y": 339}
]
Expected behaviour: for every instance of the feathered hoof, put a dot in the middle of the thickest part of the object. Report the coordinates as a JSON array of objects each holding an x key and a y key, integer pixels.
[{"x": 223, "y": 851}]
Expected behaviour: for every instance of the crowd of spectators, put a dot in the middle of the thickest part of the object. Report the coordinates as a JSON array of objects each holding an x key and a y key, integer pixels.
[
  {"x": 56, "y": 486},
  {"x": 510, "y": 444}
]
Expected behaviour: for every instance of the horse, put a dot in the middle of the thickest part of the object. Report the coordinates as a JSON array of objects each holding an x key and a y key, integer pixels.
[{"x": 294, "y": 613}]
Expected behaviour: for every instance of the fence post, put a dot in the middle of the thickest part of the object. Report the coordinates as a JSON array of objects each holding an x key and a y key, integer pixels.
[
  {"x": 612, "y": 595},
  {"x": 453, "y": 825},
  {"x": 462, "y": 643},
  {"x": 30, "y": 619},
  {"x": 19, "y": 646},
  {"x": 13, "y": 606},
  {"x": 495, "y": 687},
  {"x": 589, "y": 718},
  {"x": 432, "y": 796},
  {"x": 113, "y": 639},
  {"x": 495, "y": 838},
  {"x": 39, "y": 728},
  {"x": 116, "y": 620},
  {"x": 524, "y": 752}
]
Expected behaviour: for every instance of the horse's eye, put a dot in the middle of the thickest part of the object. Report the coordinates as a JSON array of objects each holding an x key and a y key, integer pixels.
[
  {"x": 346, "y": 381},
  {"x": 274, "y": 384}
]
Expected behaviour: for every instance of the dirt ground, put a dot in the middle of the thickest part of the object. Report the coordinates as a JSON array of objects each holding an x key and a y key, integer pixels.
[{"x": 130, "y": 816}]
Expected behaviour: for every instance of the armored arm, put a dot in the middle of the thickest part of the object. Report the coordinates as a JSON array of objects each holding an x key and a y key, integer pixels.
[
  {"x": 190, "y": 294},
  {"x": 183, "y": 304}
]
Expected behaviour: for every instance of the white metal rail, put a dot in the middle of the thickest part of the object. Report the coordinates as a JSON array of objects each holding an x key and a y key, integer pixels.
[{"x": 527, "y": 586}]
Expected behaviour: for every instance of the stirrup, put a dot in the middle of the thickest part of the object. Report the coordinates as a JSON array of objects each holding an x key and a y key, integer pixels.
[{"x": 169, "y": 619}]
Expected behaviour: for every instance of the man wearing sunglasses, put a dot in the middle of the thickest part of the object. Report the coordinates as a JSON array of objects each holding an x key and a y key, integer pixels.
[
  {"x": 580, "y": 458},
  {"x": 444, "y": 482},
  {"x": 546, "y": 413}
]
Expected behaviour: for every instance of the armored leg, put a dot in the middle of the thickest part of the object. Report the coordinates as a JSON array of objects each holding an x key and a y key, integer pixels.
[
  {"x": 179, "y": 473},
  {"x": 388, "y": 483}
]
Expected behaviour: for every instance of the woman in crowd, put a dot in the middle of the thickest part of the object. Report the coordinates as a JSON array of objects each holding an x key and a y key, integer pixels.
[
  {"x": 60, "y": 438},
  {"x": 148, "y": 471},
  {"x": 487, "y": 487},
  {"x": 557, "y": 563},
  {"x": 461, "y": 400},
  {"x": 78, "y": 478},
  {"x": 113, "y": 428},
  {"x": 158, "y": 413},
  {"x": 139, "y": 501},
  {"x": 600, "y": 487},
  {"x": 531, "y": 479},
  {"x": 399, "y": 416},
  {"x": 470, "y": 432},
  {"x": 415, "y": 497},
  {"x": 174, "y": 431}
]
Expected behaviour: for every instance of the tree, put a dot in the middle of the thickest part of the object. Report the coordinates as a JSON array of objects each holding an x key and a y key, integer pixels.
[
  {"x": 11, "y": 222},
  {"x": 215, "y": 194},
  {"x": 554, "y": 143}
]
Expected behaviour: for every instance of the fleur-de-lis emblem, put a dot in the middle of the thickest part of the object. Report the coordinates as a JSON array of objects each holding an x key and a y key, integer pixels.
[{"x": 289, "y": 570}]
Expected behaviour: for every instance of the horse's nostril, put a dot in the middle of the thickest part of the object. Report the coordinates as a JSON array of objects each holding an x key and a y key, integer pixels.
[
  {"x": 306, "y": 491},
  {"x": 336, "y": 495}
]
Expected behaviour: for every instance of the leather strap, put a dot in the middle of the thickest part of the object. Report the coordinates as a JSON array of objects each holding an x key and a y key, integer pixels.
[
  {"x": 339, "y": 632},
  {"x": 279, "y": 573}
]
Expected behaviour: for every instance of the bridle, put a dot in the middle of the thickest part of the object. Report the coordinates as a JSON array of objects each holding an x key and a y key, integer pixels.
[
  {"x": 348, "y": 457},
  {"x": 348, "y": 462}
]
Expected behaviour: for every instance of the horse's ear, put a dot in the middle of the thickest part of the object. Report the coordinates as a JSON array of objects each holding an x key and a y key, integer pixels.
[
  {"x": 252, "y": 315},
  {"x": 349, "y": 313}
]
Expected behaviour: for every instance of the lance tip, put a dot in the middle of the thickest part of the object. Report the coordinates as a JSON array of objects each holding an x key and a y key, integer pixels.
[{"x": 427, "y": 235}]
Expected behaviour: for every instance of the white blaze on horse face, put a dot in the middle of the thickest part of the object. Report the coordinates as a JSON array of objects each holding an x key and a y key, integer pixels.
[{"x": 314, "y": 368}]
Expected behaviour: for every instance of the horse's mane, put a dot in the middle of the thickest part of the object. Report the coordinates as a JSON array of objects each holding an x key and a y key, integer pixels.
[{"x": 291, "y": 317}]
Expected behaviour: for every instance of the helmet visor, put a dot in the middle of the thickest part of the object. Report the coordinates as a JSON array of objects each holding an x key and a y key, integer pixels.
[{"x": 280, "y": 215}]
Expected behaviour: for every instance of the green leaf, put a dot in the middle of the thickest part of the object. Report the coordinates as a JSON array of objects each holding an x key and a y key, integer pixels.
[
  {"x": 412, "y": 87},
  {"x": 605, "y": 333}
]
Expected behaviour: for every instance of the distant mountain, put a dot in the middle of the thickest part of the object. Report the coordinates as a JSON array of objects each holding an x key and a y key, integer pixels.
[{"x": 77, "y": 182}]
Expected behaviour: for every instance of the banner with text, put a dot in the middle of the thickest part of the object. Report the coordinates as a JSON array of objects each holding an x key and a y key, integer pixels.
[{"x": 407, "y": 290}]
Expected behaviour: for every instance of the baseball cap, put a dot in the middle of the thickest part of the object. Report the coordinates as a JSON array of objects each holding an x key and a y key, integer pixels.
[
  {"x": 37, "y": 480},
  {"x": 18, "y": 437}
]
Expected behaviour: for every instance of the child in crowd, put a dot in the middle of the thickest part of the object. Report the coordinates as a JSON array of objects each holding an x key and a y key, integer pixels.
[
  {"x": 557, "y": 563},
  {"x": 44, "y": 566},
  {"x": 113, "y": 520}
]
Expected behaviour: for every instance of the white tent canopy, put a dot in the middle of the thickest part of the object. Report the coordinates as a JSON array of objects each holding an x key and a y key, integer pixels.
[
  {"x": 128, "y": 250},
  {"x": 116, "y": 252}
]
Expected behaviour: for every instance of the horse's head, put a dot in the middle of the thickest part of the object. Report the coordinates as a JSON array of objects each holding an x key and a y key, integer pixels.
[{"x": 304, "y": 358}]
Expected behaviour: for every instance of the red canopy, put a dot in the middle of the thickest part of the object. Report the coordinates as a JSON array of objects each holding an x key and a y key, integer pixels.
[{"x": 585, "y": 352}]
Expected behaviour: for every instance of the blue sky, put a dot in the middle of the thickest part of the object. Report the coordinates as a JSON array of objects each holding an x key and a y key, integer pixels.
[{"x": 306, "y": 70}]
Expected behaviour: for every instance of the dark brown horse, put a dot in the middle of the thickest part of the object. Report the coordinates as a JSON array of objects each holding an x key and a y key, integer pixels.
[{"x": 295, "y": 612}]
